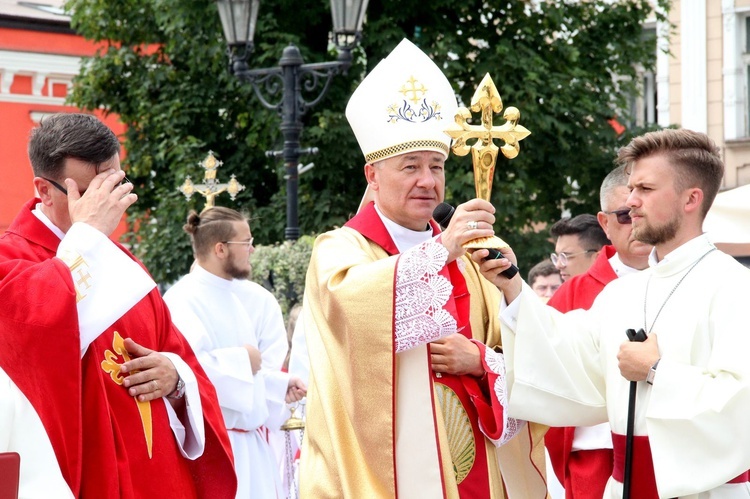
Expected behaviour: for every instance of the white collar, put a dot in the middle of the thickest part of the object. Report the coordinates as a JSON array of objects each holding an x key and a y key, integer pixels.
[
  {"x": 619, "y": 267},
  {"x": 404, "y": 238},
  {"x": 681, "y": 257},
  {"x": 210, "y": 278},
  {"x": 38, "y": 213}
]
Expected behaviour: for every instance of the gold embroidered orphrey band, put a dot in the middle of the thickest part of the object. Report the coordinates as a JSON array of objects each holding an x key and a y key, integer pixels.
[{"x": 414, "y": 145}]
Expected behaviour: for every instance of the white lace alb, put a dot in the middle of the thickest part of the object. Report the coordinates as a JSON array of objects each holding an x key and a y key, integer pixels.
[
  {"x": 511, "y": 426},
  {"x": 421, "y": 294}
]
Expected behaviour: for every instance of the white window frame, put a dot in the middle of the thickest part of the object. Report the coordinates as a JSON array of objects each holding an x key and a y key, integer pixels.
[{"x": 736, "y": 71}]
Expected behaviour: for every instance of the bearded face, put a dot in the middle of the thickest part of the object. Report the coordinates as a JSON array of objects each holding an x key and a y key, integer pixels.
[
  {"x": 653, "y": 234},
  {"x": 235, "y": 270}
]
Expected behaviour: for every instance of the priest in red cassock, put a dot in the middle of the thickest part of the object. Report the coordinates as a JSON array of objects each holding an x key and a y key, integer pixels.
[{"x": 87, "y": 339}]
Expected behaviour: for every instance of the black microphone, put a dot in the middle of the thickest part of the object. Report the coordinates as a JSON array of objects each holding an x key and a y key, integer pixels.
[{"x": 443, "y": 214}]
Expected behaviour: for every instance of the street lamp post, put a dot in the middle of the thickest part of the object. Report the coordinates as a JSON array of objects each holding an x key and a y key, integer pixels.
[{"x": 289, "y": 78}]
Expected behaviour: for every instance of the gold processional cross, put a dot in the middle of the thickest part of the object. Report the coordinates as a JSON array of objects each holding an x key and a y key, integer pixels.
[
  {"x": 484, "y": 151},
  {"x": 210, "y": 188}
]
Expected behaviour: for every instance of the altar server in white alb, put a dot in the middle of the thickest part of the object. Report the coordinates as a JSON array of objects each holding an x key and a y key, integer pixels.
[
  {"x": 236, "y": 328},
  {"x": 692, "y": 438}
]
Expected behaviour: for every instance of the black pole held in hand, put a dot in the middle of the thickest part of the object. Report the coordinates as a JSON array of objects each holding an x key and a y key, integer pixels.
[
  {"x": 639, "y": 336},
  {"x": 443, "y": 214}
]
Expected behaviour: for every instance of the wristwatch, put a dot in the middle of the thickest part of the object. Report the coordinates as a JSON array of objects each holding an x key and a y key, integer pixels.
[
  {"x": 179, "y": 390},
  {"x": 652, "y": 373}
]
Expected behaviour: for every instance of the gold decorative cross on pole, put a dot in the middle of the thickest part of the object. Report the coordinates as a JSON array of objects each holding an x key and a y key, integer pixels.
[
  {"x": 484, "y": 151},
  {"x": 210, "y": 188}
]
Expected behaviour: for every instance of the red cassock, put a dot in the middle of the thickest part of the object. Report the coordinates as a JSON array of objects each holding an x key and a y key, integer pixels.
[
  {"x": 584, "y": 474},
  {"x": 96, "y": 429}
]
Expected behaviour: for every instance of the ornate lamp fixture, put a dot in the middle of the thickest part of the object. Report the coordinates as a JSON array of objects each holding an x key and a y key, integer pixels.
[{"x": 238, "y": 19}]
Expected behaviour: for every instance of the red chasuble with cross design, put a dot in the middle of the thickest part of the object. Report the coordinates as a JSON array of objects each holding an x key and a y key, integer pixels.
[{"x": 108, "y": 445}]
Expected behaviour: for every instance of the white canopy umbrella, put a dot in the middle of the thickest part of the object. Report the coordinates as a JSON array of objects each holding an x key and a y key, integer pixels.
[{"x": 728, "y": 221}]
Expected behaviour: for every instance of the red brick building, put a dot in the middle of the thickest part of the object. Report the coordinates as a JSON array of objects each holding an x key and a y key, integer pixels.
[{"x": 39, "y": 56}]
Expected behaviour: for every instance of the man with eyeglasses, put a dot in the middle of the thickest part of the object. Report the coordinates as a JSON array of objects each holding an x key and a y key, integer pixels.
[
  {"x": 87, "y": 339},
  {"x": 582, "y": 457},
  {"x": 689, "y": 433},
  {"x": 578, "y": 241},
  {"x": 237, "y": 331}
]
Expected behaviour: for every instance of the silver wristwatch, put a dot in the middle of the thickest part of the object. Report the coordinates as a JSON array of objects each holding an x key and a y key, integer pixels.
[
  {"x": 652, "y": 373},
  {"x": 179, "y": 390}
]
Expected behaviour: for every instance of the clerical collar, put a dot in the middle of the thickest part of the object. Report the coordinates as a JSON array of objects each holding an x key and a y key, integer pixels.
[
  {"x": 619, "y": 267},
  {"x": 38, "y": 213},
  {"x": 698, "y": 244},
  {"x": 210, "y": 278},
  {"x": 404, "y": 238}
]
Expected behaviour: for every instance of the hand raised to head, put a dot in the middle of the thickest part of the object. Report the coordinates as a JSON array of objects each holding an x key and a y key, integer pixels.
[{"x": 103, "y": 203}]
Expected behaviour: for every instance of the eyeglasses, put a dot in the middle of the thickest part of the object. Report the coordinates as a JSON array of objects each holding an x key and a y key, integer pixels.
[
  {"x": 246, "y": 243},
  {"x": 562, "y": 258},
  {"x": 623, "y": 216},
  {"x": 62, "y": 189}
]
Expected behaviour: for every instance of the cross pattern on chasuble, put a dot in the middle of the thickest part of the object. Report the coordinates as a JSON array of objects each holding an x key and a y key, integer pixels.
[
  {"x": 114, "y": 369},
  {"x": 79, "y": 269}
]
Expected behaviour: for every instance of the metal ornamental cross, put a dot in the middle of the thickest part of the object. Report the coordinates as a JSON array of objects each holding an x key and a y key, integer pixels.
[
  {"x": 210, "y": 188},
  {"x": 413, "y": 90},
  {"x": 484, "y": 151}
]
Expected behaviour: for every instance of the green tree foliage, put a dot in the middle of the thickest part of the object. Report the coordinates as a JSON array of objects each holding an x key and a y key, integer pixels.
[
  {"x": 282, "y": 268},
  {"x": 568, "y": 66}
]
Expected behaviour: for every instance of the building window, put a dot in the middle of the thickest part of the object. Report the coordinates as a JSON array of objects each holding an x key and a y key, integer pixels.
[{"x": 643, "y": 106}]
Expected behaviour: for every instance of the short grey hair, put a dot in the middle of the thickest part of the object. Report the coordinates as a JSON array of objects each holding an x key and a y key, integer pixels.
[{"x": 614, "y": 179}]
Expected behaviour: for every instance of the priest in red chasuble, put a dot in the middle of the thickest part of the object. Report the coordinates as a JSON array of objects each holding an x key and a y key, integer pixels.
[
  {"x": 407, "y": 378},
  {"x": 87, "y": 340}
]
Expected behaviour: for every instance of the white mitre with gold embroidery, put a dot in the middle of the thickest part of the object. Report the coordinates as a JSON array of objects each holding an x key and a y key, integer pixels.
[{"x": 405, "y": 104}]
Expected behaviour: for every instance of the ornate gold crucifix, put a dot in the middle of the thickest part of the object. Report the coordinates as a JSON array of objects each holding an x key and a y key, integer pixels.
[
  {"x": 210, "y": 188},
  {"x": 484, "y": 151}
]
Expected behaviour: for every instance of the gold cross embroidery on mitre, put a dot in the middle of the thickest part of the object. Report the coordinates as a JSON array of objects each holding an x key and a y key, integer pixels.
[
  {"x": 114, "y": 369},
  {"x": 413, "y": 89},
  {"x": 484, "y": 151}
]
